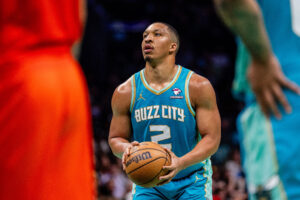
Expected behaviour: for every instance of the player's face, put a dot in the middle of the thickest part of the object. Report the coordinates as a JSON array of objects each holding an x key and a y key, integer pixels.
[{"x": 156, "y": 42}]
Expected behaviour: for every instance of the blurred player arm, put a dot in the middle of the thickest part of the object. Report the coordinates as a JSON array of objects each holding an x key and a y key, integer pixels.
[
  {"x": 120, "y": 127},
  {"x": 265, "y": 76},
  {"x": 244, "y": 18}
]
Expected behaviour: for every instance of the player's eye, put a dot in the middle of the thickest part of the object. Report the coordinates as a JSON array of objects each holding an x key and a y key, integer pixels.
[
  {"x": 145, "y": 35},
  {"x": 157, "y": 34}
]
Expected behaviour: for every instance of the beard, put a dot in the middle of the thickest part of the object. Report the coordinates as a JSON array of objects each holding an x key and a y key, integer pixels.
[{"x": 147, "y": 59}]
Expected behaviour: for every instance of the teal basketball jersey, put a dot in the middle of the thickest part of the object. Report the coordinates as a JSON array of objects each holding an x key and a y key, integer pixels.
[{"x": 166, "y": 116}]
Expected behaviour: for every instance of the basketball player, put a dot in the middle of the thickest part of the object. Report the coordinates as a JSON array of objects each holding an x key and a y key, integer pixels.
[
  {"x": 45, "y": 126},
  {"x": 270, "y": 124},
  {"x": 168, "y": 104}
]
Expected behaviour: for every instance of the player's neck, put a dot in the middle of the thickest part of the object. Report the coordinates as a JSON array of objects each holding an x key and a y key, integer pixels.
[{"x": 160, "y": 74}]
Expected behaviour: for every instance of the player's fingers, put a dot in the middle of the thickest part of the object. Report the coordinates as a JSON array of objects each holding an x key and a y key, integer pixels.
[
  {"x": 168, "y": 176},
  {"x": 269, "y": 98},
  {"x": 123, "y": 162},
  {"x": 279, "y": 95},
  {"x": 135, "y": 143},
  {"x": 170, "y": 152},
  {"x": 169, "y": 167},
  {"x": 262, "y": 104},
  {"x": 164, "y": 178},
  {"x": 167, "y": 150},
  {"x": 123, "y": 158},
  {"x": 290, "y": 85},
  {"x": 125, "y": 155}
]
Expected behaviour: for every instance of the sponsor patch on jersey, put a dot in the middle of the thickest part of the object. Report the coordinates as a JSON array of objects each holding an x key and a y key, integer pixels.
[{"x": 176, "y": 92}]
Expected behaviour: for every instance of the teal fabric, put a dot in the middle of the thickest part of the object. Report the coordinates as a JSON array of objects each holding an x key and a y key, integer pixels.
[
  {"x": 286, "y": 137},
  {"x": 241, "y": 88},
  {"x": 259, "y": 153},
  {"x": 197, "y": 186}
]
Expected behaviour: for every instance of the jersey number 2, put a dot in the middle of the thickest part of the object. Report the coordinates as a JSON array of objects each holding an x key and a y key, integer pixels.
[
  {"x": 165, "y": 134},
  {"x": 295, "y": 12}
]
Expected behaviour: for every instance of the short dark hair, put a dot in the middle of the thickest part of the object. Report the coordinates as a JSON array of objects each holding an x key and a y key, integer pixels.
[{"x": 173, "y": 32}]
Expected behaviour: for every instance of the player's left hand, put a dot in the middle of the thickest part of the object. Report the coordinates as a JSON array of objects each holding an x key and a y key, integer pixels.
[
  {"x": 127, "y": 152},
  {"x": 175, "y": 167}
]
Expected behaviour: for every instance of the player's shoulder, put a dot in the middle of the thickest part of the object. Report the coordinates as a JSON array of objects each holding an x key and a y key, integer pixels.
[
  {"x": 200, "y": 90},
  {"x": 122, "y": 94},
  {"x": 198, "y": 82},
  {"x": 124, "y": 88}
]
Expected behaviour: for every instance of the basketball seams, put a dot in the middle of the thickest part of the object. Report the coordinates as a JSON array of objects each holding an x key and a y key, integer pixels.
[
  {"x": 147, "y": 149},
  {"x": 145, "y": 164},
  {"x": 153, "y": 177}
]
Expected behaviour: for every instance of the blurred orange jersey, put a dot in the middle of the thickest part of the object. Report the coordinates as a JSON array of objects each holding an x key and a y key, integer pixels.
[
  {"x": 45, "y": 122},
  {"x": 28, "y": 24}
]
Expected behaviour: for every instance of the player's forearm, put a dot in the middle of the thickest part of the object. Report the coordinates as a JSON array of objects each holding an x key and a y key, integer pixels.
[
  {"x": 244, "y": 18},
  {"x": 118, "y": 145},
  {"x": 206, "y": 147}
]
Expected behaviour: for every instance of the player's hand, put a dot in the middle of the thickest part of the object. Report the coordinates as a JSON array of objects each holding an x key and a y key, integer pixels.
[
  {"x": 175, "y": 167},
  {"x": 267, "y": 82},
  {"x": 127, "y": 152}
]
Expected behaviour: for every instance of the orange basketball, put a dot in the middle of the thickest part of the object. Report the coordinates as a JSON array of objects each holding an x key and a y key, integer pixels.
[{"x": 144, "y": 164}]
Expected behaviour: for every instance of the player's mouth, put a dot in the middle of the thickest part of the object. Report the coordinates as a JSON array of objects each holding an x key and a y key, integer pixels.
[{"x": 148, "y": 48}]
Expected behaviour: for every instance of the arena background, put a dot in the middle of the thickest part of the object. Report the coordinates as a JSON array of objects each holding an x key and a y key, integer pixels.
[{"x": 111, "y": 52}]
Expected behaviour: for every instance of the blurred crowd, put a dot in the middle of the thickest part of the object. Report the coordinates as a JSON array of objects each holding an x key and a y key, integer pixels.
[{"x": 111, "y": 53}]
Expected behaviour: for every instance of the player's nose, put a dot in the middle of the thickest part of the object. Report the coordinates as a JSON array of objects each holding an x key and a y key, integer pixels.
[{"x": 148, "y": 38}]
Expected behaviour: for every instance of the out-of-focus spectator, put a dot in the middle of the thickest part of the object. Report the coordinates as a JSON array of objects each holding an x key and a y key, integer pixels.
[{"x": 228, "y": 179}]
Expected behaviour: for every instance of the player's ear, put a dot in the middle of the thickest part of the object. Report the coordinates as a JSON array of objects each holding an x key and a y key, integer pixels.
[{"x": 173, "y": 48}]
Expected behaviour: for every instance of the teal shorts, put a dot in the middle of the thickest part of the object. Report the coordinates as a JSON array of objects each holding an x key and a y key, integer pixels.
[
  {"x": 196, "y": 186},
  {"x": 270, "y": 152}
]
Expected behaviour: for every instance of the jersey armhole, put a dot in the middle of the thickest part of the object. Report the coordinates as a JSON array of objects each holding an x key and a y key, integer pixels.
[
  {"x": 187, "y": 94},
  {"x": 133, "y": 92}
]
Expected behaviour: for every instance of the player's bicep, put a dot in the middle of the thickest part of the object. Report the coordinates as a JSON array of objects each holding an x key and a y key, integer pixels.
[
  {"x": 207, "y": 113},
  {"x": 208, "y": 121},
  {"x": 120, "y": 126}
]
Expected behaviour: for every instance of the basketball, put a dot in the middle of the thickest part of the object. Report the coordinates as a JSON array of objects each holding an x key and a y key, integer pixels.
[{"x": 144, "y": 165}]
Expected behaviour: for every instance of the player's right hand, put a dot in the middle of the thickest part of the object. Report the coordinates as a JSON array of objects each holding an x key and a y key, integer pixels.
[
  {"x": 173, "y": 169},
  {"x": 267, "y": 82},
  {"x": 127, "y": 152}
]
